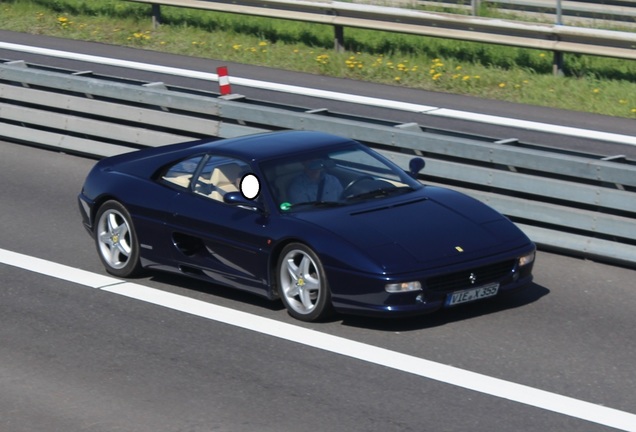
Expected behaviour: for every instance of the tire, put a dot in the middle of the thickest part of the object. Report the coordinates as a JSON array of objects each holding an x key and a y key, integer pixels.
[
  {"x": 302, "y": 284},
  {"x": 116, "y": 240}
]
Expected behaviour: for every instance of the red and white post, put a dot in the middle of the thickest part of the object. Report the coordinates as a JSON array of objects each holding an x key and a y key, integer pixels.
[{"x": 224, "y": 81}]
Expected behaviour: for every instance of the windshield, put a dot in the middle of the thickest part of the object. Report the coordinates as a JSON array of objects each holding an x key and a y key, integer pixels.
[{"x": 334, "y": 178}]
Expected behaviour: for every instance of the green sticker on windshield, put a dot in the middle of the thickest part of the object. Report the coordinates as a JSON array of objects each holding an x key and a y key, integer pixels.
[{"x": 285, "y": 206}]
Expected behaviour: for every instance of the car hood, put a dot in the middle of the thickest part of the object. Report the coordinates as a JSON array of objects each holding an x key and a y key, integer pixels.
[{"x": 434, "y": 228}]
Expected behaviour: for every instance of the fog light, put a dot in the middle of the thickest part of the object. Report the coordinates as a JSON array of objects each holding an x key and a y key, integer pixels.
[
  {"x": 526, "y": 259},
  {"x": 403, "y": 287}
]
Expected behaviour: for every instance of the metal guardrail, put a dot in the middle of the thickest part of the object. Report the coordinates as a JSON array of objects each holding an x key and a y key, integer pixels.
[
  {"x": 615, "y": 12},
  {"x": 574, "y": 203},
  {"x": 555, "y": 38}
]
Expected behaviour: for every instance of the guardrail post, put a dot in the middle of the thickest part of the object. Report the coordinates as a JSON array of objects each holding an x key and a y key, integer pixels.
[
  {"x": 557, "y": 63},
  {"x": 559, "y": 13},
  {"x": 476, "y": 4},
  {"x": 156, "y": 15},
  {"x": 338, "y": 42}
]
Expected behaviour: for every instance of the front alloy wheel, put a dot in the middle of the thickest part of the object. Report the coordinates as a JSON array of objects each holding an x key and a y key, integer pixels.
[
  {"x": 116, "y": 240},
  {"x": 302, "y": 284}
]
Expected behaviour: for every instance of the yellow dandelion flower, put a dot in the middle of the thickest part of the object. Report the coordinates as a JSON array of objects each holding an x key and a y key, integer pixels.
[
  {"x": 397, "y": 78},
  {"x": 502, "y": 85},
  {"x": 262, "y": 43},
  {"x": 322, "y": 59},
  {"x": 466, "y": 77},
  {"x": 596, "y": 91},
  {"x": 458, "y": 68}
]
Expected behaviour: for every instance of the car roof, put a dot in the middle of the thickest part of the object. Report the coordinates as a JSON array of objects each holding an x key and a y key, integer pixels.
[
  {"x": 273, "y": 144},
  {"x": 257, "y": 147}
]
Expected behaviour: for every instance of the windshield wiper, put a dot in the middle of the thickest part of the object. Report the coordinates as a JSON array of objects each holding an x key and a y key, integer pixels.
[
  {"x": 380, "y": 193},
  {"x": 318, "y": 204}
]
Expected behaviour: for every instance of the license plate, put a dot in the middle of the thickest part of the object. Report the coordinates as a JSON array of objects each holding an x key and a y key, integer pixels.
[{"x": 472, "y": 294}]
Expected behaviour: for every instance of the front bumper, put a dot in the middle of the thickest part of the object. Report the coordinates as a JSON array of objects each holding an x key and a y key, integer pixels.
[{"x": 365, "y": 295}]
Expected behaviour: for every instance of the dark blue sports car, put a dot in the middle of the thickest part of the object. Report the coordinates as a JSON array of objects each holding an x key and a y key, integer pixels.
[{"x": 319, "y": 221}]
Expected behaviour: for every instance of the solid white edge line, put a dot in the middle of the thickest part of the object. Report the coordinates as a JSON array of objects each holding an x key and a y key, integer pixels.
[
  {"x": 325, "y": 94},
  {"x": 59, "y": 271},
  {"x": 372, "y": 354},
  {"x": 531, "y": 125}
]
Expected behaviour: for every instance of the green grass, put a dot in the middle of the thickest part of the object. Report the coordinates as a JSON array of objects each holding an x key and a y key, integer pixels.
[{"x": 591, "y": 84}]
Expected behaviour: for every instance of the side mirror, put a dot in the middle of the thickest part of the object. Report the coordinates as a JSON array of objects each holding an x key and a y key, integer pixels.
[
  {"x": 415, "y": 166},
  {"x": 237, "y": 199}
]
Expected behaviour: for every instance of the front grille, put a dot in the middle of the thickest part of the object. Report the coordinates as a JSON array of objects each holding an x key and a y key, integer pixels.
[{"x": 463, "y": 279}]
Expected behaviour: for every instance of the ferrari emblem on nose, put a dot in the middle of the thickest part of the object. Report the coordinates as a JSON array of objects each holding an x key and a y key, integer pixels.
[{"x": 459, "y": 249}]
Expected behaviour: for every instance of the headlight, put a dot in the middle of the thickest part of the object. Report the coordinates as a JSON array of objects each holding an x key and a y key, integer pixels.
[
  {"x": 403, "y": 287},
  {"x": 526, "y": 259}
]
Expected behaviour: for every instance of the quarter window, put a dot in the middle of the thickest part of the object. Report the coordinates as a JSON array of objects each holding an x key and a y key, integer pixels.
[
  {"x": 219, "y": 176},
  {"x": 181, "y": 173}
]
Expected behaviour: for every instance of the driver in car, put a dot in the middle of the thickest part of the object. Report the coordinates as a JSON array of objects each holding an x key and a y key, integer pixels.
[{"x": 314, "y": 184}]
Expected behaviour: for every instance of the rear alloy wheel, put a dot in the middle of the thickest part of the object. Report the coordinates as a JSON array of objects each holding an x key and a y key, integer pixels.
[
  {"x": 302, "y": 284},
  {"x": 116, "y": 240}
]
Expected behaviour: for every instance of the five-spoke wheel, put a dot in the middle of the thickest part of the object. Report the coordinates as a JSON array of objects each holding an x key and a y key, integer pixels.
[
  {"x": 116, "y": 240},
  {"x": 302, "y": 283}
]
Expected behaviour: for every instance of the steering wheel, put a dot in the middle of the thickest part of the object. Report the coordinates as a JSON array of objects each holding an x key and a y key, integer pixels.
[{"x": 346, "y": 193}]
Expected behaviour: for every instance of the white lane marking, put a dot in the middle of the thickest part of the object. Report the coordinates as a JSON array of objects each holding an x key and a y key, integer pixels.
[
  {"x": 324, "y": 94},
  {"x": 60, "y": 271},
  {"x": 531, "y": 125},
  {"x": 380, "y": 356}
]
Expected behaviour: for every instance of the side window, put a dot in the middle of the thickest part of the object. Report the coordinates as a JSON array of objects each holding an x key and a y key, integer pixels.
[
  {"x": 181, "y": 173},
  {"x": 220, "y": 175}
]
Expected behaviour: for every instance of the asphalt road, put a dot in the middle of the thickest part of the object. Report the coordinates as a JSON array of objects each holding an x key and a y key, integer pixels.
[{"x": 79, "y": 359}]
